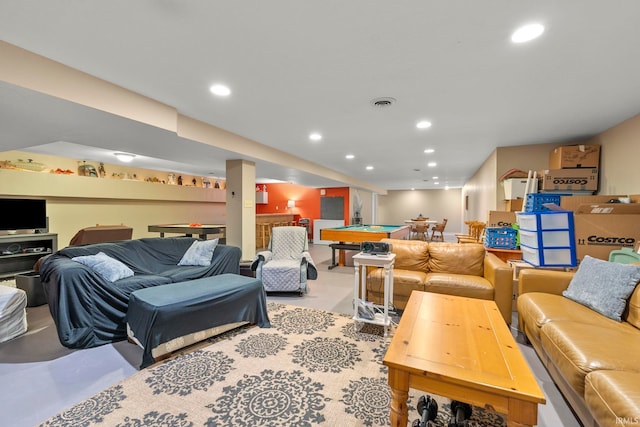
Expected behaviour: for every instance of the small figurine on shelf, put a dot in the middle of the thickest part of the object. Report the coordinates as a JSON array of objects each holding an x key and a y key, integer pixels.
[
  {"x": 101, "y": 170},
  {"x": 87, "y": 170},
  {"x": 216, "y": 184},
  {"x": 179, "y": 179}
]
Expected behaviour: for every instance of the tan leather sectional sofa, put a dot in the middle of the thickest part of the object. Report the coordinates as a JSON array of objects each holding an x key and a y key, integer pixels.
[
  {"x": 594, "y": 360},
  {"x": 445, "y": 268}
]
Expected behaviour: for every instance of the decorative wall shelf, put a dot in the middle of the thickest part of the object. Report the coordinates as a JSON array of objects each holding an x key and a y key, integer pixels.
[{"x": 38, "y": 184}]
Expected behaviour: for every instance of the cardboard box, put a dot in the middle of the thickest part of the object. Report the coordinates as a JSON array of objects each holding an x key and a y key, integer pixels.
[
  {"x": 501, "y": 219},
  {"x": 602, "y": 228},
  {"x": 571, "y": 203},
  {"x": 514, "y": 187},
  {"x": 575, "y": 156},
  {"x": 514, "y": 205},
  {"x": 577, "y": 179}
]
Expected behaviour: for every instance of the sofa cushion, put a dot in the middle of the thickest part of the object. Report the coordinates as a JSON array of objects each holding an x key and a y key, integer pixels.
[
  {"x": 577, "y": 348},
  {"x": 613, "y": 396},
  {"x": 410, "y": 254},
  {"x": 463, "y": 285},
  {"x": 140, "y": 281},
  {"x": 603, "y": 286},
  {"x": 405, "y": 282},
  {"x": 538, "y": 308},
  {"x": 456, "y": 258}
]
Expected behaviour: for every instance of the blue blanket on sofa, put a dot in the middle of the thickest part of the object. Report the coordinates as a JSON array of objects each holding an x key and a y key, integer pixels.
[{"x": 89, "y": 310}]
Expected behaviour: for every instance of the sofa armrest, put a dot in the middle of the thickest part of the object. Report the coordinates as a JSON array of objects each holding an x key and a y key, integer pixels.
[
  {"x": 500, "y": 275},
  {"x": 547, "y": 281}
]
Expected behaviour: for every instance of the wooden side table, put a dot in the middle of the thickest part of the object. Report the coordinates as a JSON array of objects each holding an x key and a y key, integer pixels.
[{"x": 505, "y": 254}]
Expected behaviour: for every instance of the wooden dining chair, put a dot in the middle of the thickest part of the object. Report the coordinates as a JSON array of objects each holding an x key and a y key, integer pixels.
[
  {"x": 438, "y": 228},
  {"x": 420, "y": 231},
  {"x": 476, "y": 233}
]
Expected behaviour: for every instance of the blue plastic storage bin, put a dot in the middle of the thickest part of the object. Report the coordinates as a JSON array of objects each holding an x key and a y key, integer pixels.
[
  {"x": 501, "y": 238},
  {"x": 535, "y": 201}
]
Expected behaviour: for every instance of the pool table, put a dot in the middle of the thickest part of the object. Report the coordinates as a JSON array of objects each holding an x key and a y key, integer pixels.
[{"x": 362, "y": 233}]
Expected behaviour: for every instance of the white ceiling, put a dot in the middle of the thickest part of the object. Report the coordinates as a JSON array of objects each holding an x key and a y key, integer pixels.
[{"x": 296, "y": 67}]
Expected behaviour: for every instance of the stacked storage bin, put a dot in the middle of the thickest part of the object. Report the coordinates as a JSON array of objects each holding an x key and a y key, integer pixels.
[
  {"x": 547, "y": 238},
  {"x": 501, "y": 238}
]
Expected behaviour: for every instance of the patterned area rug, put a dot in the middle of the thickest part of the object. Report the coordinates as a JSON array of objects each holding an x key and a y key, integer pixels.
[{"x": 310, "y": 368}]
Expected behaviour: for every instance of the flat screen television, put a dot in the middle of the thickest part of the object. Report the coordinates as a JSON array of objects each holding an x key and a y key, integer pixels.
[{"x": 23, "y": 214}]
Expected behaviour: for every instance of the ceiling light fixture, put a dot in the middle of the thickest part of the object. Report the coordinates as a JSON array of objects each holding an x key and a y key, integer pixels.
[
  {"x": 527, "y": 33},
  {"x": 432, "y": 164},
  {"x": 369, "y": 168},
  {"x": 220, "y": 90},
  {"x": 429, "y": 150},
  {"x": 424, "y": 124},
  {"x": 315, "y": 136},
  {"x": 349, "y": 156},
  {"x": 124, "y": 157}
]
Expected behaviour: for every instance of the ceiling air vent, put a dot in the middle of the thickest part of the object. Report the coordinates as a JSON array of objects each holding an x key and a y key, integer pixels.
[{"x": 383, "y": 102}]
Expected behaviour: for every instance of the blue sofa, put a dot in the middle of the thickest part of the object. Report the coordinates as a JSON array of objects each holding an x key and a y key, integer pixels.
[{"x": 89, "y": 310}]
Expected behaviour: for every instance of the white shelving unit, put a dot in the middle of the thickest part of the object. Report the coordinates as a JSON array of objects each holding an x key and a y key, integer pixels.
[{"x": 360, "y": 262}]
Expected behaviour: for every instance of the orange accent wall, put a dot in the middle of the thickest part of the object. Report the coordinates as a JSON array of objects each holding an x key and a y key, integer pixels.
[{"x": 307, "y": 200}]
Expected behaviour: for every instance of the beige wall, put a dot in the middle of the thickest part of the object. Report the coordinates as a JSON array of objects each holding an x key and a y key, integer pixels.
[
  {"x": 67, "y": 216},
  {"x": 399, "y": 205},
  {"x": 478, "y": 195},
  {"x": 620, "y": 158}
]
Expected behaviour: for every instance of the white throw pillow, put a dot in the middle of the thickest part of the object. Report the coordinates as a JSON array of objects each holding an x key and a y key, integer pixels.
[
  {"x": 199, "y": 253},
  {"x": 107, "y": 267}
]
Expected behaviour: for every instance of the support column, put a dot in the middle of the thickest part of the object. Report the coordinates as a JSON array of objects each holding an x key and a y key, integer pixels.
[{"x": 241, "y": 206}]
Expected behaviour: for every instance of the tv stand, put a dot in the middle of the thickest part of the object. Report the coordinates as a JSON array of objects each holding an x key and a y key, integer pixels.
[{"x": 19, "y": 252}]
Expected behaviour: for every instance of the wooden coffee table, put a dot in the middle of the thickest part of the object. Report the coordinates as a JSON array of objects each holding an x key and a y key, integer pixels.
[{"x": 462, "y": 349}]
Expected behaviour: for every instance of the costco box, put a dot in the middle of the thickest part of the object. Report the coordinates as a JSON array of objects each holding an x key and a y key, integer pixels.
[
  {"x": 602, "y": 228},
  {"x": 514, "y": 187},
  {"x": 577, "y": 179},
  {"x": 575, "y": 156},
  {"x": 501, "y": 219}
]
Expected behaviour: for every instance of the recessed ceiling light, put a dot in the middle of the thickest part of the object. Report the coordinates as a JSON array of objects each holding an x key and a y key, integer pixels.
[
  {"x": 124, "y": 157},
  {"x": 315, "y": 136},
  {"x": 220, "y": 90},
  {"x": 432, "y": 164},
  {"x": 424, "y": 124},
  {"x": 413, "y": 188},
  {"x": 527, "y": 33},
  {"x": 429, "y": 150},
  {"x": 434, "y": 177},
  {"x": 349, "y": 156},
  {"x": 446, "y": 187},
  {"x": 369, "y": 168},
  {"x": 436, "y": 183}
]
